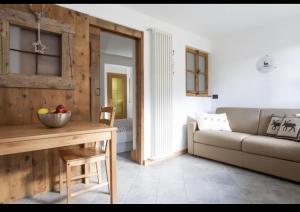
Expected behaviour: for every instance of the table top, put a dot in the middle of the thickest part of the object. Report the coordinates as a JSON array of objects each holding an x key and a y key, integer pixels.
[{"x": 39, "y": 131}]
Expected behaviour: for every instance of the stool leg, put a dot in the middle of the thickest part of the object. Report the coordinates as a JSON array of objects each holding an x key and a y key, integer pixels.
[
  {"x": 86, "y": 172},
  {"x": 69, "y": 191},
  {"x": 107, "y": 169},
  {"x": 98, "y": 169},
  {"x": 61, "y": 176}
]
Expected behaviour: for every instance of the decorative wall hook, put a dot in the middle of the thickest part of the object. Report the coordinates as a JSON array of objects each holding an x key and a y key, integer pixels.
[{"x": 39, "y": 47}]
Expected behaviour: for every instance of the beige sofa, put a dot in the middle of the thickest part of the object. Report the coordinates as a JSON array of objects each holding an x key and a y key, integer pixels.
[{"x": 247, "y": 146}]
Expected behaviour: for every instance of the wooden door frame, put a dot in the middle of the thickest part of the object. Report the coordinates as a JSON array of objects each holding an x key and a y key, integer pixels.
[
  {"x": 111, "y": 75},
  {"x": 137, "y": 154}
]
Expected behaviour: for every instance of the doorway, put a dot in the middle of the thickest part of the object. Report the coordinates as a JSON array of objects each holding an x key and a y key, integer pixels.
[{"x": 121, "y": 85}]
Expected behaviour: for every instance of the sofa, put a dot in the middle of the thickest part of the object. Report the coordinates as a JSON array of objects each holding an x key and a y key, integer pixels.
[{"x": 247, "y": 146}]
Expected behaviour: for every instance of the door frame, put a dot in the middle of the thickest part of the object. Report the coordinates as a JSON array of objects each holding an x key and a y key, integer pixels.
[
  {"x": 96, "y": 26},
  {"x": 111, "y": 75}
]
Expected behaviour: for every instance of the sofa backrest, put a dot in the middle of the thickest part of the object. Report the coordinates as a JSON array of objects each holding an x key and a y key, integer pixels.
[
  {"x": 242, "y": 119},
  {"x": 265, "y": 115}
]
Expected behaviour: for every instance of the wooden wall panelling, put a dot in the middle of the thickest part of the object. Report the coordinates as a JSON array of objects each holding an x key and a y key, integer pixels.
[
  {"x": 23, "y": 101},
  {"x": 34, "y": 172},
  {"x": 4, "y": 191},
  {"x": 1, "y": 48},
  {"x": 11, "y": 106},
  {"x": 4, "y": 45},
  {"x": 40, "y": 172},
  {"x": 2, "y": 108},
  {"x": 15, "y": 103},
  {"x": 19, "y": 175},
  {"x": 81, "y": 57},
  {"x": 95, "y": 72}
]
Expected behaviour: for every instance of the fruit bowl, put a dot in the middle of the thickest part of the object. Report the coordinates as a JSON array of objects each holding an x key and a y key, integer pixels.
[{"x": 55, "y": 120}]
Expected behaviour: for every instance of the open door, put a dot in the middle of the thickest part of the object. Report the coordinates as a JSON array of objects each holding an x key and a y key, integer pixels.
[{"x": 95, "y": 91}]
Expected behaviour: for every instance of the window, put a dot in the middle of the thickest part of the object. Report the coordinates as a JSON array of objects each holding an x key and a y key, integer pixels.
[
  {"x": 196, "y": 72},
  {"x": 21, "y": 66},
  {"x": 24, "y": 60}
]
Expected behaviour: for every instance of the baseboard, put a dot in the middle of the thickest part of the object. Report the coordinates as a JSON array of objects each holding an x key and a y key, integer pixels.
[{"x": 172, "y": 155}]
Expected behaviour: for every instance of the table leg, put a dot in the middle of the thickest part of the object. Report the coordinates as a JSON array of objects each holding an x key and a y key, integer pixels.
[{"x": 112, "y": 158}]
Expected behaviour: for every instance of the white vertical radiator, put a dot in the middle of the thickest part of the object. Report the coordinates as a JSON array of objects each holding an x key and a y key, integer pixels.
[{"x": 161, "y": 93}]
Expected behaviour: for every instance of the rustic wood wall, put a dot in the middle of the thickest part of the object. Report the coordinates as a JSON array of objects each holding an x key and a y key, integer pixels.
[{"x": 34, "y": 172}]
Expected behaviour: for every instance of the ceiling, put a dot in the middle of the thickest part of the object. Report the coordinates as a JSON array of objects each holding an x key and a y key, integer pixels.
[{"x": 217, "y": 20}]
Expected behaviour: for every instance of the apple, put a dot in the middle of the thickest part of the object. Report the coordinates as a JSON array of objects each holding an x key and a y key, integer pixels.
[
  {"x": 60, "y": 109},
  {"x": 65, "y": 110}
]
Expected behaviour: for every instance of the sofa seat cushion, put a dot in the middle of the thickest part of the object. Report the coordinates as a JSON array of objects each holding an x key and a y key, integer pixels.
[
  {"x": 272, "y": 147},
  {"x": 224, "y": 139}
]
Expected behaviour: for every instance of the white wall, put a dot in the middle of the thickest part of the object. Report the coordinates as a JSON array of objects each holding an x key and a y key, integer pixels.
[
  {"x": 233, "y": 73},
  {"x": 183, "y": 106}
]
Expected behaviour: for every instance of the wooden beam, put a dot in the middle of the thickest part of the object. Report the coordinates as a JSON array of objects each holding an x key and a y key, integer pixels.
[
  {"x": 140, "y": 98},
  {"x": 29, "y": 20},
  {"x": 116, "y": 28},
  {"x": 35, "y": 81},
  {"x": 4, "y": 45}
]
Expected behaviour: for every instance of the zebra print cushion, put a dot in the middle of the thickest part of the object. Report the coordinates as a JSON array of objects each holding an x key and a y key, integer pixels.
[
  {"x": 289, "y": 128},
  {"x": 274, "y": 125}
]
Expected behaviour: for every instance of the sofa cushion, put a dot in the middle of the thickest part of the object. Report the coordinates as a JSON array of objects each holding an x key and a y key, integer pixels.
[
  {"x": 224, "y": 139},
  {"x": 265, "y": 115},
  {"x": 243, "y": 120},
  {"x": 274, "y": 125},
  {"x": 272, "y": 147},
  {"x": 210, "y": 121},
  {"x": 289, "y": 128}
]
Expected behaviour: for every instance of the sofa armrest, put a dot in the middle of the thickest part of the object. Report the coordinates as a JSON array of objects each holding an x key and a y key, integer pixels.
[{"x": 191, "y": 128}]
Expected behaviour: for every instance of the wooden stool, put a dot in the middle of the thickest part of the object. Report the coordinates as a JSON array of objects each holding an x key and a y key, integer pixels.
[{"x": 86, "y": 156}]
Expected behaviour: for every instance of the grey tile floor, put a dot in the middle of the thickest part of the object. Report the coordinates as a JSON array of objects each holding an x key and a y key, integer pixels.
[{"x": 184, "y": 179}]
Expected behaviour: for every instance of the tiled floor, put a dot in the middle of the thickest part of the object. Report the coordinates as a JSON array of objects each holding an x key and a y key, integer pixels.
[{"x": 186, "y": 179}]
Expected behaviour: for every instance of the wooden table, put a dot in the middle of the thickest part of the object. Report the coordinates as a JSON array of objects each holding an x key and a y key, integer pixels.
[{"x": 26, "y": 138}]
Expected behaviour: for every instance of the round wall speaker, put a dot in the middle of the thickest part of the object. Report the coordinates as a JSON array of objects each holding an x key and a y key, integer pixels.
[{"x": 265, "y": 64}]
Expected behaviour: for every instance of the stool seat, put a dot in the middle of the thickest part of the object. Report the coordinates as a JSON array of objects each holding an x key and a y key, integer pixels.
[{"x": 81, "y": 154}]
